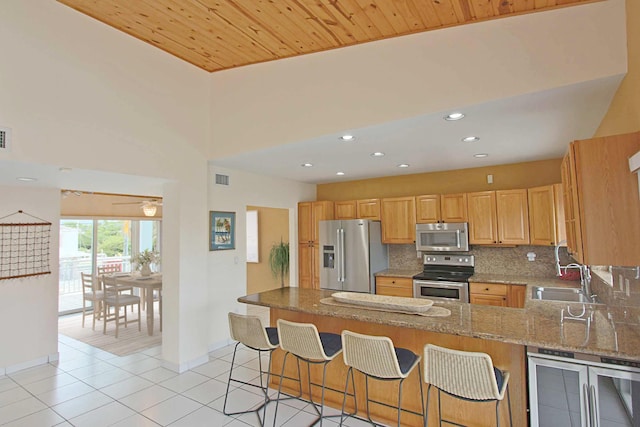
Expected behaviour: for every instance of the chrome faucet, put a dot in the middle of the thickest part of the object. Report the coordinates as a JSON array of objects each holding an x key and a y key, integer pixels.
[{"x": 585, "y": 272}]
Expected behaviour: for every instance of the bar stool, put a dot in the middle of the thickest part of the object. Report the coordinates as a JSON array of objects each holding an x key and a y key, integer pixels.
[
  {"x": 465, "y": 375},
  {"x": 303, "y": 341},
  {"x": 378, "y": 358},
  {"x": 248, "y": 330}
]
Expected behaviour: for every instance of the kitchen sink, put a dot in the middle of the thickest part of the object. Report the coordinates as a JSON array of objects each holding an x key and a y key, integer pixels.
[{"x": 562, "y": 294}]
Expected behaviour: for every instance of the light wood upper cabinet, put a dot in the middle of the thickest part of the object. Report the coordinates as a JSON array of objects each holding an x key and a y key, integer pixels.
[
  {"x": 498, "y": 217},
  {"x": 603, "y": 221},
  {"x": 345, "y": 210},
  {"x": 428, "y": 209},
  {"x": 321, "y": 211},
  {"x": 358, "y": 209},
  {"x": 398, "y": 220},
  {"x": 483, "y": 221},
  {"x": 546, "y": 215},
  {"x": 513, "y": 217},
  {"x": 571, "y": 212},
  {"x": 453, "y": 207},
  {"x": 431, "y": 208},
  {"x": 561, "y": 228},
  {"x": 305, "y": 222},
  {"x": 368, "y": 209}
]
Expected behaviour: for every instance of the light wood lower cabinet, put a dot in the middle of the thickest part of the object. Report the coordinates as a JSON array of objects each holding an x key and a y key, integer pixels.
[
  {"x": 394, "y": 286},
  {"x": 488, "y": 294},
  {"x": 497, "y": 294},
  {"x": 517, "y": 295}
]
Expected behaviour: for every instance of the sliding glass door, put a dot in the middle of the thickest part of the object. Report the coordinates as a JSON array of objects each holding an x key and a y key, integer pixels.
[
  {"x": 76, "y": 256},
  {"x": 88, "y": 244}
]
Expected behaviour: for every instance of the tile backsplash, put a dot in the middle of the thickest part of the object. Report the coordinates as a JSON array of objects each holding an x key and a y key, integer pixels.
[{"x": 492, "y": 260}]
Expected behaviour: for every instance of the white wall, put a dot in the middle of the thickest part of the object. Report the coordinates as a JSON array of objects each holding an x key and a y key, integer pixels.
[
  {"x": 227, "y": 269},
  {"x": 79, "y": 94},
  {"x": 338, "y": 90},
  {"x": 29, "y": 306}
]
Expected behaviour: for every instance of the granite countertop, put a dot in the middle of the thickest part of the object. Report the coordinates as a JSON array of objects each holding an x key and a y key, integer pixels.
[
  {"x": 522, "y": 280},
  {"x": 611, "y": 331},
  {"x": 394, "y": 272},
  {"x": 488, "y": 278}
]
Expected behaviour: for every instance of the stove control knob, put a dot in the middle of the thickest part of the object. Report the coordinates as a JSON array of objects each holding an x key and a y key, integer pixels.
[{"x": 459, "y": 259}]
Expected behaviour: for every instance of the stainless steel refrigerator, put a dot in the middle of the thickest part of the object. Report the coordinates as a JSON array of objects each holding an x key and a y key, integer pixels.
[{"x": 351, "y": 252}]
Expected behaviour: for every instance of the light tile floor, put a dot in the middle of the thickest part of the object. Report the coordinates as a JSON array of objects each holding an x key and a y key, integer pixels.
[{"x": 91, "y": 387}]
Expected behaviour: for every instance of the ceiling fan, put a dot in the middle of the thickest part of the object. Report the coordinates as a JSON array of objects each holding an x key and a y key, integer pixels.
[{"x": 149, "y": 207}]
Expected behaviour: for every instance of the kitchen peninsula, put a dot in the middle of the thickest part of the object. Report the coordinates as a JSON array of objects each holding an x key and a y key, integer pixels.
[{"x": 503, "y": 333}]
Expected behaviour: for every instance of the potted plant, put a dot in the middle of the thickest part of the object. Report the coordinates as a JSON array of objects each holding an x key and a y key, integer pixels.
[
  {"x": 143, "y": 261},
  {"x": 279, "y": 261}
]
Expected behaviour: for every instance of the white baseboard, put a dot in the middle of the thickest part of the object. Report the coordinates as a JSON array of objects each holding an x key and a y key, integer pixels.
[
  {"x": 219, "y": 344},
  {"x": 7, "y": 370},
  {"x": 183, "y": 367}
]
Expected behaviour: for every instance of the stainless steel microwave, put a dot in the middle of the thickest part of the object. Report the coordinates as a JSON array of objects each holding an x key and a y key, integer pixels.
[{"x": 442, "y": 237}]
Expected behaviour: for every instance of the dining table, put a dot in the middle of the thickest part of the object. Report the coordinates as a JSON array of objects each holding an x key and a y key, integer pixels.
[{"x": 148, "y": 284}]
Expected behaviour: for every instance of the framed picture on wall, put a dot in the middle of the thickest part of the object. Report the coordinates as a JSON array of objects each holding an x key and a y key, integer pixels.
[{"x": 222, "y": 230}]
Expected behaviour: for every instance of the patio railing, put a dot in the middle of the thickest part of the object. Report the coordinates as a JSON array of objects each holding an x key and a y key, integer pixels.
[{"x": 71, "y": 267}]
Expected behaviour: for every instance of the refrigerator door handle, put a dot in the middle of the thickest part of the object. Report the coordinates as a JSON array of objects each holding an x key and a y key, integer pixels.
[
  {"x": 594, "y": 407},
  {"x": 338, "y": 254},
  {"x": 341, "y": 246},
  {"x": 587, "y": 405}
]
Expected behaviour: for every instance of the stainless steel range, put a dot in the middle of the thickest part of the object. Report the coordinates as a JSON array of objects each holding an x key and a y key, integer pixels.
[{"x": 444, "y": 277}]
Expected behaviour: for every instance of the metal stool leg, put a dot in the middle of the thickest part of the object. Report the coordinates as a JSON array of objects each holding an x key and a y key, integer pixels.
[
  {"x": 509, "y": 404},
  {"x": 439, "y": 410},
  {"x": 263, "y": 387},
  {"x": 284, "y": 363},
  {"x": 226, "y": 395},
  {"x": 399, "y": 399}
]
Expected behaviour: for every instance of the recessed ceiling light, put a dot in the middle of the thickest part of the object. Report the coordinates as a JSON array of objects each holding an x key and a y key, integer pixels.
[
  {"x": 453, "y": 117},
  {"x": 347, "y": 137},
  {"x": 403, "y": 165},
  {"x": 480, "y": 155},
  {"x": 306, "y": 165},
  {"x": 471, "y": 139},
  {"x": 26, "y": 179},
  {"x": 339, "y": 173},
  {"x": 65, "y": 169},
  {"x": 377, "y": 154}
]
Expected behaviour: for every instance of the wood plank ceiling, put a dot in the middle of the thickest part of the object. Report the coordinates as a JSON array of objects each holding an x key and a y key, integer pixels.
[{"x": 221, "y": 34}]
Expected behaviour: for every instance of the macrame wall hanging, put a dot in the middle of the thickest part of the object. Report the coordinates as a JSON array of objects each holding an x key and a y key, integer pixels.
[{"x": 24, "y": 246}]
